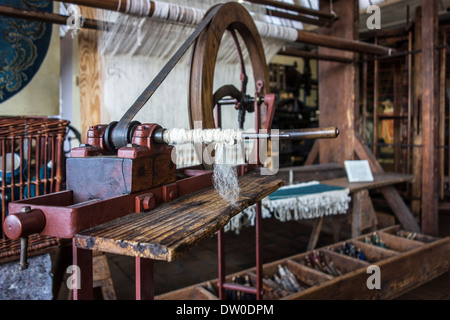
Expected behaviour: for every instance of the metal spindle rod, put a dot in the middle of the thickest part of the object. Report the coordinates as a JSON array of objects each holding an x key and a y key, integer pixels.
[
  {"x": 296, "y": 134},
  {"x": 289, "y": 134}
]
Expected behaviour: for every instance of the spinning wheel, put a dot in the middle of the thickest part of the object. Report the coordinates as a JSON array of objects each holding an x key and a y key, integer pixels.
[{"x": 235, "y": 19}]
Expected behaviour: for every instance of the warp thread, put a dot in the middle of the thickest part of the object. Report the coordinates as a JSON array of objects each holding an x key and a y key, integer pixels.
[{"x": 218, "y": 136}]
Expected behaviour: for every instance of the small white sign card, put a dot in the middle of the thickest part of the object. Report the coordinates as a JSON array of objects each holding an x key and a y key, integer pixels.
[{"x": 358, "y": 170}]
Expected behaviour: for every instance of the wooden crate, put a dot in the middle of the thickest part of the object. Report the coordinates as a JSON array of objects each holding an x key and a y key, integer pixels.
[{"x": 404, "y": 264}]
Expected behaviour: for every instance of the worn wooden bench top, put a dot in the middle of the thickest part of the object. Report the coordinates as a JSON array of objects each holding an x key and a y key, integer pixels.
[
  {"x": 174, "y": 227},
  {"x": 380, "y": 180}
]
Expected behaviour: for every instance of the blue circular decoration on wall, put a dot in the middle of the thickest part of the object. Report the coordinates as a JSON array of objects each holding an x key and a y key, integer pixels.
[{"x": 23, "y": 46}]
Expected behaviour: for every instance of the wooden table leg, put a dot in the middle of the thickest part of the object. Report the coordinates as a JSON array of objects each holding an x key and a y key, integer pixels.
[
  {"x": 144, "y": 279},
  {"x": 259, "y": 261},
  {"x": 221, "y": 263},
  {"x": 315, "y": 233},
  {"x": 82, "y": 260},
  {"x": 356, "y": 214},
  {"x": 400, "y": 209}
]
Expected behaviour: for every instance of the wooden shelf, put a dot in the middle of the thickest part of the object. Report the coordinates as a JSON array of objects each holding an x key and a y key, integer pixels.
[
  {"x": 379, "y": 180},
  {"x": 407, "y": 265}
]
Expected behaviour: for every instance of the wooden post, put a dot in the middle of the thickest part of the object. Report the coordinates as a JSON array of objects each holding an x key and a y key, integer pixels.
[
  {"x": 397, "y": 120},
  {"x": 82, "y": 260},
  {"x": 144, "y": 279},
  {"x": 416, "y": 127},
  {"x": 364, "y": 100},
  {"x": 410, "y": 99},
  {"x": 337, "y": 83},
  {"x": 376, "y": 102},
  {"x": 442, "y": 103},
  {"x": 430, "y": 176}
]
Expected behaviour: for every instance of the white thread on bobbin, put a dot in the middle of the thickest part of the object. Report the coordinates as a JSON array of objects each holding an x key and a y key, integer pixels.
[
  {"x": 219, "y": 136},
  {"x": 273, "y": 31},
  {"x": 161, "y": 10},
  {"x": 138, "y": 7}
]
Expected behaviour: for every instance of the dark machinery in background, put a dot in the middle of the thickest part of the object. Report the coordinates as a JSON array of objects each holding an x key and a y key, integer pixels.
[{"x": 293, "y": 88}]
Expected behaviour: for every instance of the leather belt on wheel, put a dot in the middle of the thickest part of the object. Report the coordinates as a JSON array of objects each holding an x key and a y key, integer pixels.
[{"x": 120, "y": 132}]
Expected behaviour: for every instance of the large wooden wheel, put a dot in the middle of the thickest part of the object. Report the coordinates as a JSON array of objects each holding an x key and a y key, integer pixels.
[{"x": 233, "y": 18}]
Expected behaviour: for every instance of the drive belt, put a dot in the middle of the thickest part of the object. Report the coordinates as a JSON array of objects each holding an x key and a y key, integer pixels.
[{"x": 120, "y": 132}]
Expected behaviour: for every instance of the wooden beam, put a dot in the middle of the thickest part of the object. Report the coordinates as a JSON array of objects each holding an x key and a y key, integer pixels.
[
  {"x": 297, "y": 17},
  {"x": 333, "y": 40},
  {"x": 442, "y": 105},
  {"x": 292, "y": 7},
  {"x": 376, "y": 102},
  {"x": 337, "y": 86},
  {"x": 430, "y": 175},
  {"x": 315, "y": 233},
  {"x": 41, "y": 16},
  {"x": 312, "y": 55},
  {"x": 313, "y": 154},
  {"x": 416, "y": 127}
]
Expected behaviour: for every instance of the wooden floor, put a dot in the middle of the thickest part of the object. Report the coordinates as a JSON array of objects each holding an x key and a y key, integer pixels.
[{"x": 279, "y": 240}]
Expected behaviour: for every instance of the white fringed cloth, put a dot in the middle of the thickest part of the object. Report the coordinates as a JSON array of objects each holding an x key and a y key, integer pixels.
[{"x": 294, "y": 202}]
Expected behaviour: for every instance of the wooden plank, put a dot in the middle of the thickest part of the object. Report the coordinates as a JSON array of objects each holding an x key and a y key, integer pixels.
[
  {"x": 315, "y": 233},
  {"x": 399, "y": 274},
  {"x": 380, "y": 180},
  {"x": 89, "y": 77},
  {"x": 343, "y": 263},
  {"x": 400, "y": 209},
  {"x": 313, "y": 154},
  {"x": 307, "y": 275},
  {"x": 356, "y": 213},
  {"x": 307, "y": 173},
  {"x": 429, "y": 115},
  {"x": 374, "y": 253},
  {"x": 174, "y": 227},
  {"x": 364, "y": 153},
  {"x": 396, "y": 243},
  {"x": 204, "y": 294}
]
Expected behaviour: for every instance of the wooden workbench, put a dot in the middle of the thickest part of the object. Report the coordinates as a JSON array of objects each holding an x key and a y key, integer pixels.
[
  {"x": 384, "y": 182},
  {"x": 167, "y": 231},
  {"x": 380, "y": 180}
]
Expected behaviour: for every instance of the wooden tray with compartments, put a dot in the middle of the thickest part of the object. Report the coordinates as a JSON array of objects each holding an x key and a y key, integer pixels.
[{"x": 405, "y": 261}]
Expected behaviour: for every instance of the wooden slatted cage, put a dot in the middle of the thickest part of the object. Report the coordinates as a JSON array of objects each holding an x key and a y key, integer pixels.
[{"x": 31, "y": 164}]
